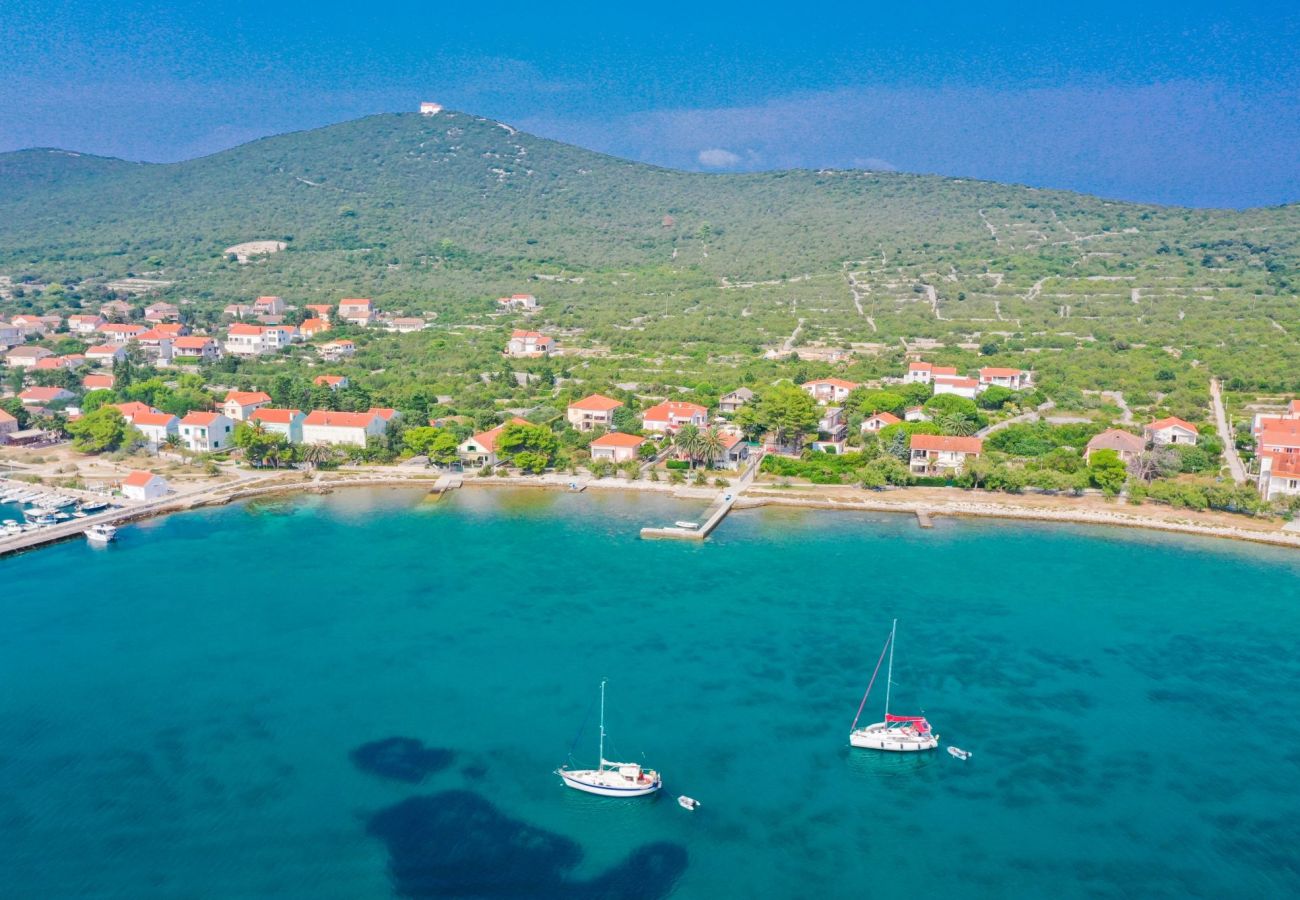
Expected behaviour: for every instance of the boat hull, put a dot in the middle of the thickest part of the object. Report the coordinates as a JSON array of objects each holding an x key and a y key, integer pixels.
[
  {"x": 892, "y": 741},
  {"x": 580, "y": 782}
]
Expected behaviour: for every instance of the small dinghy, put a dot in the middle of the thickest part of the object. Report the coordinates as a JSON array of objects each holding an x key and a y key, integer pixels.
[
  {"x": 688, "y": 802},
  {"x": 688, "y": 525},
  {"x": 959, "y": 753}
]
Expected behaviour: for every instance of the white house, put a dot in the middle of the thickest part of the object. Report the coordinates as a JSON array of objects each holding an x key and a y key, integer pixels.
[
  {"x": 525, "y": 302},
  {"x": 481, "y": 449},
  {"x": 672, "y": 415},
  {"x": 732, "y": 402},
  {"x": 285, "y": 422},
  {"x": 269, "y": 306},
  {"x": 196, "y": 345},
  {"x": 10, "y": 335},
  {"x": 356, "y": 311},
  {"x": 528, "y": 344},
  {"x": 333, "y": 382},
  {"x": 84, "y": 324},
  {"x": 336, "y": 350},
  {"x": 1279, "y": 475},
  {"x": 156, "y": 345},
  {"x": 829, "y": 390},
  {"x": 942, "y": 454},
  {"x": 880, "y": 420},
  {"x": 156, "y": 427},
  {"x": 239, "y": 405},
  {"x": 594, "y": 411},
  {"x": 40, "y": 396},
  {"x": 1014, "y": 379},
  {"x": 1171, "y": 430},
  {"x": 735, "y": 451},
  {"x": 161, "y": 312},
  {"x": 204, "y": 432},
  {"x": 924, "y": 372},
  {"x": 323, "y": 426},
  {"x": 953, "y": 384},
  {"x": 25, "y": 357},
  {"x": 616, "y": 447},
  {"x": 105, "y": 354},
  {"x": 120, "y": 333},
  {"x": 144, "y": 486},
  {"x": 1126, "y": 445},
  {"x": 916, "y": 414},
  {"x": 256, "y": 340},
  {"x": 430, "y": 109}
]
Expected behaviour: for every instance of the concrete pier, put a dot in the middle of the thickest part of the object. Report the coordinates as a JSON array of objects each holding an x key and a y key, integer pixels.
[{"x": 923, "y": 519}]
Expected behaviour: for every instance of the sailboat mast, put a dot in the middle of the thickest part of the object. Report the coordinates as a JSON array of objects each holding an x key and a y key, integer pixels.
[
  {"x": 889, "y": 678},
  {"x": 601, "y": 763}
]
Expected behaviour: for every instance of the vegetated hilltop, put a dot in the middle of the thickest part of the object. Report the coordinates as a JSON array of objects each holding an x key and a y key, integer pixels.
[{"x": 443, "y": 213}]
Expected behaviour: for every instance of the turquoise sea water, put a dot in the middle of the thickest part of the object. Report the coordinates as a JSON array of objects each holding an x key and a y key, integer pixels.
[{"x": 364, "y": 695}]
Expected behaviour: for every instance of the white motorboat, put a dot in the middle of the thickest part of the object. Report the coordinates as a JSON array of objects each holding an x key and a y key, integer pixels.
[
  {"x": 688, "y": 803},
  {"x": 691, "y": 525},
  {"x": 94, "y": 506},
  {"x": 611, "y": 779},
  {"x": 897, "y": 734},
  {"x": 959, "y": 753},
  {"x": 102, "y": 533}
]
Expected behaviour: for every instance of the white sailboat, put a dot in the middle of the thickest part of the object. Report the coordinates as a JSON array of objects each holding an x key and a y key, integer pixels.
[
  {"x": 898, "y": 734},
  {"x": 611, "y": 779}
]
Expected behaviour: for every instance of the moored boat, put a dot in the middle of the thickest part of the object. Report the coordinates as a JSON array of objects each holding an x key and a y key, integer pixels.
[
  {"x": 959, "y": 753},
  {"x": 688, "y": 803},
  {"x": 897, "y": 734},
  {"x": 102, "y": 533},
  {"x": 611, "y": 779}
]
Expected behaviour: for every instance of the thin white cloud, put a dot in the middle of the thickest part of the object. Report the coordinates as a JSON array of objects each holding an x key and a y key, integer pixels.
[{"x": 718, "y": 158}]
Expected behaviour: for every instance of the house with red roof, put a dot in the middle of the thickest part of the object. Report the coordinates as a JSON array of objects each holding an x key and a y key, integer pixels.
[
  {"x": 1279, "y": 436},
  {"x": 1170, "y": 430},
  {"x": 25, "y": 357},
  {"x": 337, "y": 349},
  {"x": 924, "y": 372},
  {"x": 41, "y": 396},
  {"x": 156, "y": 345},
  {"x": 1125, "y": 444},
  {"x": 526, "y": 302},
  {"x": 323, "y": 426},
  {"x": 284, "y": 422},
  {"x": 206, "y": 432},
  {"x": 268, "y": 306},
  {"x": 173, "y": 330},
  {"x": 670, "y": 416},
  {"x": 120, "y": 332},
  {"x": 1279, "y": 475},
  {"x": 98, "y": 382},
  {"x": 941, "y": 454},
  {"x": 333, "y": 382},
  {"x": 156, "y": 427},
  {"x": 161, "y": 312},
  {"x": 105, "y": 354},
  {"x": 481, "y": 449},
  {"x": 525, "y": 344},
  {"x": 133, "y": 409},
  {"x": 312, "y": 327},
  {"x": 8, "y": 425},
  {"x": 322, "y": 311},
  {"x": 1012, "y": 379},
  {"x": 616, "y": 447},
  {"x": 955, "y": 384},
  {"x": 84, "y": 324},
  {"x": 29, "y": 325},
  {"x": 357, "y": 311},
  {"x": 239, "y": 405},
  {"x": 829, "y": 390},
  {"x": 735, "y": 451},
  {"x": 144, "y": 486},
  {"x": 594, "y": 411},
  {"x": 880, "y": 420},
  {"x": 197, "y": 346}
]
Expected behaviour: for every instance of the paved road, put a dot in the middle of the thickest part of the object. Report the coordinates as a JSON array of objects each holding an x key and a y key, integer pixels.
[
  {"x": 1032, "y": 416},
  {"x": 1235, "y": 465}
]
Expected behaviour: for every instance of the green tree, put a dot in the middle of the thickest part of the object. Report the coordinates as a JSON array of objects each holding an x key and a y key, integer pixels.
[
  {"x": 98, "y": 432},
  {"x": 786, "y": 410},
  {"x": 531, "y": 447},
  {"x": 688, "y": 442},
  {"x": 1107, "y": 471}
]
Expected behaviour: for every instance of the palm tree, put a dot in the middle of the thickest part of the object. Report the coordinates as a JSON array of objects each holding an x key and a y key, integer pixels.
[
  {"x": 315, "y": 454},
  {"x": 711, "y": 446},
  {"x": 688, "y": 441}
]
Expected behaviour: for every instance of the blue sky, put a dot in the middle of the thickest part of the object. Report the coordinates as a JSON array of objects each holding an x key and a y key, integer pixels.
[{"x": 1181, "y": 103}]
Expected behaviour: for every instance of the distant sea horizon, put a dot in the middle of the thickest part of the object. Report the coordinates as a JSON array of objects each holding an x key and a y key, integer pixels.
[{"x": 365, "y": 694}]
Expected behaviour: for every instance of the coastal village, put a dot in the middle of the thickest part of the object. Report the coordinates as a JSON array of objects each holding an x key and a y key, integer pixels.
[{"x": 137, "y": 383}]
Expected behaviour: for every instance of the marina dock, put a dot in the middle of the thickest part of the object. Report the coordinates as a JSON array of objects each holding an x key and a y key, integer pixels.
[
  {"x": 923, "y": 519},
  {"x": 713, "y": 516}
]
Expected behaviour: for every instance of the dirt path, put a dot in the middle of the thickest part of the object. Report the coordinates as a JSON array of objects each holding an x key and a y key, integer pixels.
[
  {"x": 1032, "y": 416},
  {"x": 1235, "y": 465}
]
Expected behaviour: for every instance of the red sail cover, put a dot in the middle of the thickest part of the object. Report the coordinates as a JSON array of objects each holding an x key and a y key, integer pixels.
[{"x": 919, "y": 721}]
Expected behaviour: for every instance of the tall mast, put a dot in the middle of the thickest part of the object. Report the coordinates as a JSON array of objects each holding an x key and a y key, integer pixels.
[
  {"x": 889, "y": 678},
  {"x": 601, "y": 764}
]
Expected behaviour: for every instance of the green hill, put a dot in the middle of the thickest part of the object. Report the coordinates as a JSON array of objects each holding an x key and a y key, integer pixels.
[{"x": 442, "y": 214}]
